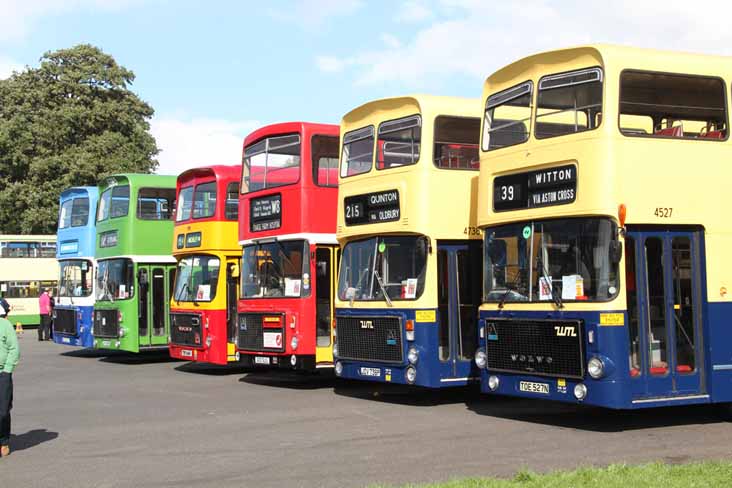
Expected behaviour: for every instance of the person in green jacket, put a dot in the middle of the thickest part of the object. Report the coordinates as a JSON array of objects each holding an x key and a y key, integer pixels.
[{"x": 9, "y": 356}]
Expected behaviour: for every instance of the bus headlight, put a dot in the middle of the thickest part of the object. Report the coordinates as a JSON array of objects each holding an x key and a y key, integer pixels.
[
  {"x": 411, "y": 375},
  {"x": 208, "y": 340},
  {"x": 480, "y": 358},
  {"x": 335, "y": 349},
  {"x": 580, "y": 391},
  {"x": 413, "y": 355},
  {"x": 293, "y": 360},
  {"x": 293, "y": 343},
  {"x": 493, "y": 382},
  {"x": 596, "y": 368},
  {"x": 121, "y": 332},
  {"x": 338, "y": 368}
]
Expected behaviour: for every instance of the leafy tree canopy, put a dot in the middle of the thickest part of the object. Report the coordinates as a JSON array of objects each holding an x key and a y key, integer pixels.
[{"x": 69, "y": 122}]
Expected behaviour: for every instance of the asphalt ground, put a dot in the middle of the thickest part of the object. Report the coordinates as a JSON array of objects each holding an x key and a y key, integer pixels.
[{"x": 82, "y": 419}]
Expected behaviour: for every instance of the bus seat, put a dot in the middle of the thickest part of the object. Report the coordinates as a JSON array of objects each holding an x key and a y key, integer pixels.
[
  {"x": 634, "y": 372},
  {"x": 675, "y": 131},
  {"x": 659, "y": 370},
  {"x": 713, "y": 134},
  {"x": 684, "y": 368}
]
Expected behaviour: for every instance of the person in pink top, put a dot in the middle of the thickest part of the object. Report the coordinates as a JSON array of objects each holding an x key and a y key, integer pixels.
[{"x": 44, "y": 307}]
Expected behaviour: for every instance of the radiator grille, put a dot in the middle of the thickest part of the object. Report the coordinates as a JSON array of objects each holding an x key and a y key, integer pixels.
[
  {"x": 64, "y": 321},
  {"x": 252, "y": 333},
  {"x": 370, "y": 338},
  {"x": 185, "y": 329},
  {"x": 540, "y": 347},
  {"x": 105, "y": 323}
]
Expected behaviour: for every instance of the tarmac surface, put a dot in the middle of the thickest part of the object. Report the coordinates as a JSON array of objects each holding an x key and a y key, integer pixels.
[{"x": 82, "y": 419}]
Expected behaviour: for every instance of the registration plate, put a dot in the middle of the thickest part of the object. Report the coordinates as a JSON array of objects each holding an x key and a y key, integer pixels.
[
  {"x": 261, "y": 360},
  {"x": 370, "y": 372},
  {"x": 66, "y": 340},
  {"x": 532, "y": 387},
  {"x": 186, "y": 353}
]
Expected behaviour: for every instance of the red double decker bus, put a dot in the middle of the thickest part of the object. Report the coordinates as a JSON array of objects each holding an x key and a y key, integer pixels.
[
  {"x": 204, "y": 298},
  {"x": 287, "y": 224}
]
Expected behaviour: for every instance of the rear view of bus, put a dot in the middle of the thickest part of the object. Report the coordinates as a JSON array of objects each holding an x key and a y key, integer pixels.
[
  {"x": 72, "y": 316},
  {"x": 205, "y": 243},
  {"x": 409, "y": 282},
  {"x": 287, "y": 222},
  {"x": 28, "y": 264},
  {"x": 135, "y": 269}
]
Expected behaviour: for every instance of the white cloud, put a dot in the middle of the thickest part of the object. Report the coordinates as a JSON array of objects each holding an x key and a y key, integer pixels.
[
  {"x": 194, "y": 142},
  {"x": 312, "y": 14},
  {"x": 18, "y": 16},
  {"x": 7, "y": 66},
  {"x": 413, "y": 11},
  {"x": 476, "y": 37}
]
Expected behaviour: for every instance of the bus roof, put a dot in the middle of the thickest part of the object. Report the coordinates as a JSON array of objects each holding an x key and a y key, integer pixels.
[
  {"x": 427, "y": 105},
  {"x": 75, "y": 191},
  {"x": 220, "y": 171},
  {"x": 138, "y": 180},
  {"x": 289, "y": 128},
  {"x": 613, "y": 58}
]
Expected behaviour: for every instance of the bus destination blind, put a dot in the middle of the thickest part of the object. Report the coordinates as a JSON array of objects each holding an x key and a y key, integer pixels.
[
  {"x": 542, "y": 188},
  {"x": 372, "y": 208},
  {"x": 265, "y": 213}
]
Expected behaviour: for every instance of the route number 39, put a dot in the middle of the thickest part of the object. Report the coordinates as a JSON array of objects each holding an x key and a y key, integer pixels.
[{"x": 663, "y": 212}]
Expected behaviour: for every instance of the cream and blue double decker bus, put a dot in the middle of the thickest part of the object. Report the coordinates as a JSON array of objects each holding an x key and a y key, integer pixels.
[
  {"x": 601, "y": 201},
  {"x": 409, "y": 280}
]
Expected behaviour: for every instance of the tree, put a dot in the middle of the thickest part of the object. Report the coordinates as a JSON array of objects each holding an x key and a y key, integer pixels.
[{"x": 70, "y": 122}]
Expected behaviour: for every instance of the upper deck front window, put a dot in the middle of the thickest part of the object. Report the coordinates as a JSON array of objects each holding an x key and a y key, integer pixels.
[
  {"x": 204, "y": 200},
  {"x": 155, "y": 203},
  {"x": 74, "y": 213},
  {"x": 568, "y": 103},
  {"x": 508, "y": 117},
  {"x": 232, "y": 201},
  {"x": 114, "y": 202},
  {"x": 272, "y": 162},
  {"x": 456, "y": 142},
  {"x": 324, "y": 151},
  {"x": 672, "y": 105},
  {"x": 185, "y": 204},
  {"x": 399, "y": 142},
  {"x": 358, "y": 152}
]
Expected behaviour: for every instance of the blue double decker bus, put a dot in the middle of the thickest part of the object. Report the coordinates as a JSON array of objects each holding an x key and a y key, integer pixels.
[{"x": 72, "y": 316}]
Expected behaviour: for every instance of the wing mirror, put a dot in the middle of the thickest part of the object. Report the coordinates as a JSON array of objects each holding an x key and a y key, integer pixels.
[
  {"x": 142, "y": 277},
  {"x": 616, "y": 251}
]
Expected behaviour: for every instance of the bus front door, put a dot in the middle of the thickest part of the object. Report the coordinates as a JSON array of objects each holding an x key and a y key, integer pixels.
[
  {"x": 324, "y": 288},
  {"x": 153, "y": 306},
  {"x": 232, "y": 295},
  {"x": 664, "y": 290},
  {"x": 459, "y": 285}
]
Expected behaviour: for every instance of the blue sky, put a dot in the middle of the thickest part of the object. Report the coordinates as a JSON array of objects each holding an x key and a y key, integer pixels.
[{"x": 216, "y": 70}]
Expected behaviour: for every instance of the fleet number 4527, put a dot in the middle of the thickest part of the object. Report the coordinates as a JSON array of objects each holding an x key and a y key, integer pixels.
[{"x": 663, "y": 212}]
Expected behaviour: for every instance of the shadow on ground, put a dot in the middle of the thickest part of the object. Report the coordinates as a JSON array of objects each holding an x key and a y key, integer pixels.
[
  {"x": 294, "y": 380},
  {"x": 89, "y": 353},
  {"x": 31, "y": 439},
  {"x": 213, "y": 369},
  {"x": 404, "y": 394},
  {"x": 589, "y": 418},
  {"x": 144, "y": 357}
]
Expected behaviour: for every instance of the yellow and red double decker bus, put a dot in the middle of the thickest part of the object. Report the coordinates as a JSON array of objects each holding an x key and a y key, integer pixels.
[{"x": 203, "y": 304}]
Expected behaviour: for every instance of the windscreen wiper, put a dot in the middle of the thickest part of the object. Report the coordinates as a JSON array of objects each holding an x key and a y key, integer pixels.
[
  {"x": 180, "y": 292},
  {"x": 556, "y": 297},
  {"x": 513, "y": 286},
  {"x": 383, "y": 289}
]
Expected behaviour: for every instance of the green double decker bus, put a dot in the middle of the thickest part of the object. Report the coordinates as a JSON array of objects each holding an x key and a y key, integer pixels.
[{"x": 135, "y": 268}]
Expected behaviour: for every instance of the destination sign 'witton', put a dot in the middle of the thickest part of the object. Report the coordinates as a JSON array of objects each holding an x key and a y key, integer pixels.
[
  {"x": 265, "y": 213},
  {"x": 372, "y": 208},
  {"x": 542, "y": 188}
]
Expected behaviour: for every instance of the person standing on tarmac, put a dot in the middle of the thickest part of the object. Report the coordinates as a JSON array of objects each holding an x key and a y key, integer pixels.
[
  {"x": 9, "y": 356},
  {"x": 44, "y": 308}
]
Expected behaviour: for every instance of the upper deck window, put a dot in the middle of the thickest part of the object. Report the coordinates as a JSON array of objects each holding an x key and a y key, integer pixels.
[
  {"x": 672, "y": 105},
  {"x": 456, "y": 142},
  {"x": 185, "y": 204},
  {"x": 324, "y": 150},
  {"x": 28, "y": 249},
  {"x": 568, "y": 103},
  {"x": 508, "y": 117},
  {"x": 204, "y": 200},
  {"x": 155, "y": 203},
  {"x": 74, "y": 213},
  {"x": 399, "y": 142},
  {"x": 358, "y": 152},
  {"x": 232, "y": 201},
  {"x": 272, "y": 162},
  {"x": 114, "y": 202}
]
